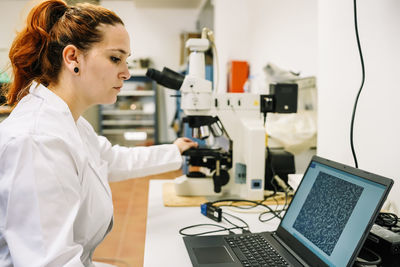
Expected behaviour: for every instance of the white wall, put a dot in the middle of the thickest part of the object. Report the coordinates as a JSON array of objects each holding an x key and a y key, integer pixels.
[
  {"x": 377, "y": 125},
  {"x": 13, "y": 14},
  {"x": 231, "y": 24},
  {"x": 155, "y": 33},
  {"x": 318, "y": 38},
  {"x": 262, "y": 31}
]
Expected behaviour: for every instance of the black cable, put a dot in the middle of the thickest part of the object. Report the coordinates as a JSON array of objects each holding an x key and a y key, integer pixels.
[
  {"x": 208, "y": 232},
  {"x": 245, "y": 228},
  {"x": 269, "y": 161},
  {"x": 362, "y": 262},
  {"x": 361, "y": 87},
  {"x": 278, "y": 212},
  {"x": 387, "y": 219},
  {"x": 285, "y": 204},
  {"x": 248, "y": 201},
  {"x": 275, "y": 212},
  {"x": 265, "y": 117},
  {"x": 237, "y": 218},
  {"x": 233, "y": 224}
]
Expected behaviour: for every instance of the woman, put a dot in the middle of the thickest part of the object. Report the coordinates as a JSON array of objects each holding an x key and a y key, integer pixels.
[{"x": 55, "y": 200}]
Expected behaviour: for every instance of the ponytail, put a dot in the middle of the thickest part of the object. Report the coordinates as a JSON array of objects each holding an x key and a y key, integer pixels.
[
  {"x": 30, "y": 46},
  {"x": 36, "y": 53}
]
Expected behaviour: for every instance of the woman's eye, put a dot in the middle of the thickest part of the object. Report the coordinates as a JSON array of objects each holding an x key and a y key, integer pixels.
[{"x": 115, "y": 59}]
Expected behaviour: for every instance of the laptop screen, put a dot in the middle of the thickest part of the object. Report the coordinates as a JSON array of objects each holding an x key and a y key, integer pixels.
[{"x": 331, "y": 210}]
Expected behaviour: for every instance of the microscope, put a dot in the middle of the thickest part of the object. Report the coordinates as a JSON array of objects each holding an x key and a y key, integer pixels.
[{"x": 237, "y": 168}]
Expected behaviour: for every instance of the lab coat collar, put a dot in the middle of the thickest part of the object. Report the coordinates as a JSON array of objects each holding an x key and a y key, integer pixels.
[{"x": 48, "y": 95}]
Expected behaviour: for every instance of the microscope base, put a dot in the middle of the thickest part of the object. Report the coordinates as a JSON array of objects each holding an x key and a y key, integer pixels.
[{"x": 185, "y": 186}]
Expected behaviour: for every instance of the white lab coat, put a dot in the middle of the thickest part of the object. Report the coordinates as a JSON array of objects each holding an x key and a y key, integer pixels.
[{"x": 55, "y": 200}]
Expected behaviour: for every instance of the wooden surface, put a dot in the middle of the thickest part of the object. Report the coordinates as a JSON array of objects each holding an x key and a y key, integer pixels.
[
  {"x": 124, "y": 246},
  {"x": 170, "y": 199}
]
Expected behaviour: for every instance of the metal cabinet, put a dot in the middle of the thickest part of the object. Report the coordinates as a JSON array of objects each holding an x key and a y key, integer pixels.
[{"x": 132, "y": 119}]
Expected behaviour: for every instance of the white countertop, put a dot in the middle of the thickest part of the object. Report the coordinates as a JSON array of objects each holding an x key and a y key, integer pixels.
[{"x": 164, "y": 245}]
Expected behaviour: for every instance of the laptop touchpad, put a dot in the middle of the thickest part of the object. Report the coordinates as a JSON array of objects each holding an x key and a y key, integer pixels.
[{"x": 207, "y": 255}]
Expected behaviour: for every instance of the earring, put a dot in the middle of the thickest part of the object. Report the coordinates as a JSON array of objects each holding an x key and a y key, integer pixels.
[{"x": 76, "y": 69}]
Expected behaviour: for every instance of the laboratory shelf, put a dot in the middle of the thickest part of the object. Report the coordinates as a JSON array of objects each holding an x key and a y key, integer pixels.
[{"x": 132, "y": 120}]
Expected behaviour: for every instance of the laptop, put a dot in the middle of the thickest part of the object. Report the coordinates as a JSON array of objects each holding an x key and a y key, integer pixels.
[{"x": 326, "y": 223}]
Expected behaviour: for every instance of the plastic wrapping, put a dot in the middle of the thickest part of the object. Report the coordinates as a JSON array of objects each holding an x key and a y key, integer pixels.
[{"x": 295, "y": 132}]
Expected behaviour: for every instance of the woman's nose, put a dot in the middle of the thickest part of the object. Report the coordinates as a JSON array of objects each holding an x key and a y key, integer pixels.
[{"x": 125, "y": 74}]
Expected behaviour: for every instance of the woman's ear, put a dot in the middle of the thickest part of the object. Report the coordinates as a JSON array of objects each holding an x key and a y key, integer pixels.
[{"x": 71, "y": 58}]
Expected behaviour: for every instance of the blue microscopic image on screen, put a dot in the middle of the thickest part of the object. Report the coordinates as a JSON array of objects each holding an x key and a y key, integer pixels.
[{"x": 326, "y": 210}]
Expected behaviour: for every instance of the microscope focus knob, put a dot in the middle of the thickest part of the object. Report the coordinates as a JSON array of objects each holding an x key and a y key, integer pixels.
[{"x": 220, "y": 180}]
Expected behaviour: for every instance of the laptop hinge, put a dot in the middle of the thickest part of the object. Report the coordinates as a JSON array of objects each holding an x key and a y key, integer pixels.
[{"x": 294, "y": 254}]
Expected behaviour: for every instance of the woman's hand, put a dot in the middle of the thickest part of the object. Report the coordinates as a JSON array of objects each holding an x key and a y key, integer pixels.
[{"x": 185, "y": 143}]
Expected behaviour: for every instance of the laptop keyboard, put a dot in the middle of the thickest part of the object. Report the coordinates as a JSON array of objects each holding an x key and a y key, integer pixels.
[{"x": 255, "y": 251}]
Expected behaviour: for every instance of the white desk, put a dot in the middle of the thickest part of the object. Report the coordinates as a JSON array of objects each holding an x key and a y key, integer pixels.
[{"x": 164, "y": 245}]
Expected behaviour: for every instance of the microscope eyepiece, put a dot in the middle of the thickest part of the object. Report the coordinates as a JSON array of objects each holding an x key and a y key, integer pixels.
[{"x": 167, "y": 78}]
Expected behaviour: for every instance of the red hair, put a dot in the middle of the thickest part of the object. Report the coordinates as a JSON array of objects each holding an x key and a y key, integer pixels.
[{"x": 36, "y": 52}]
